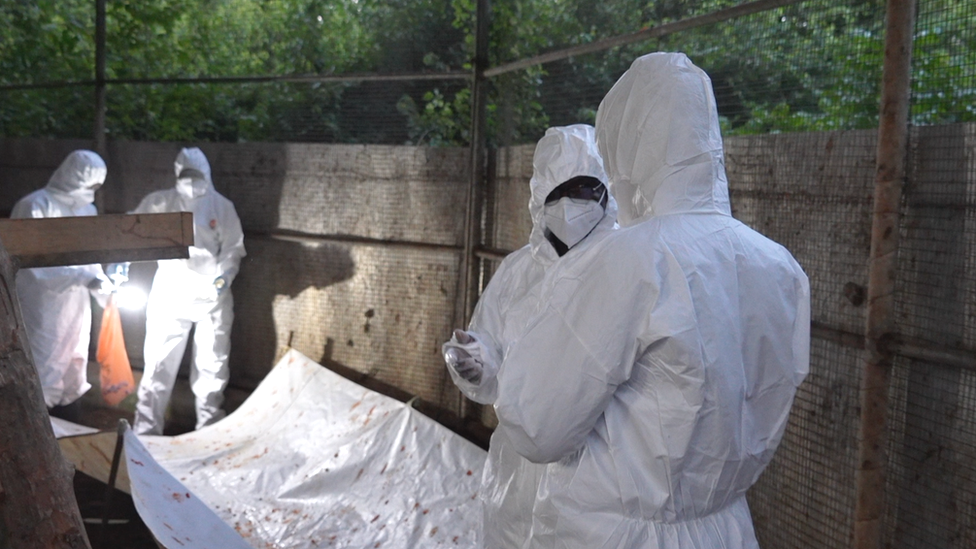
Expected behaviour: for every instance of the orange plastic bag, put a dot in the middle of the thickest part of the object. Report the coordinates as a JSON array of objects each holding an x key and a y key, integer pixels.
[{"x": 116, "y": 372}]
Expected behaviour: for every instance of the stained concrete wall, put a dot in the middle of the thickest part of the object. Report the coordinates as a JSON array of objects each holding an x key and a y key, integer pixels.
[{"x": 352, "y": 250}]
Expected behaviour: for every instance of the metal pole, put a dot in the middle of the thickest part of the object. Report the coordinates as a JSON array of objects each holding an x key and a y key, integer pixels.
[
  {"x": 476, "y": 176},
  {"x": 100, "y": 77},
  {"x": 99, "y": 129},
  {"x": 123, "y": 426},
  {"x": 881, "y": 325},
  {"x": 467, "y": 283}
]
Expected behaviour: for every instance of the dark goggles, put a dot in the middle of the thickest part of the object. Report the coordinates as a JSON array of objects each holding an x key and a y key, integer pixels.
[
  {"x": 190, "y": 173},
  {"x": 582, "y": 187}
]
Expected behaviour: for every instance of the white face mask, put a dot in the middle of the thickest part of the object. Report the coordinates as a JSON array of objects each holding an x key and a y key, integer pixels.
[
  {"x": 571, "y": 219},
  {"x": 191, "y": 188}
]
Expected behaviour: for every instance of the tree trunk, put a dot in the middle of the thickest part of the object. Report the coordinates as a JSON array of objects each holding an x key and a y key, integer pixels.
[{"x": 38, "y": 509}]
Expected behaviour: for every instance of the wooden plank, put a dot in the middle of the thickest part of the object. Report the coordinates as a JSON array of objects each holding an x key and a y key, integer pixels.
[
  {"x": 113, "y": 238},
  {"x": 92, "y": 455}
]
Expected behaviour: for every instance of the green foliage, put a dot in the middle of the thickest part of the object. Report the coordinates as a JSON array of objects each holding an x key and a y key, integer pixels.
[{"x": 807, "y": 67}]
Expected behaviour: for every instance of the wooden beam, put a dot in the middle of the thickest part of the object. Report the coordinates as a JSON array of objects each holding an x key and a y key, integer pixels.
[{"x": 114, "y": 238}]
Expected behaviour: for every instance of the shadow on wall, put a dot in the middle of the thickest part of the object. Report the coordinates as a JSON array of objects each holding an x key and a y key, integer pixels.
[{"x": 277, "y": 267}]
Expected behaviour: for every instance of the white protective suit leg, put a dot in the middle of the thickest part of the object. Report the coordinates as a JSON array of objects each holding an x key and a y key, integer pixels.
[
  {"x": 166, "y": 339},
  {"x": 210, "y": 372},
  {"x": 59, "y": 342}
]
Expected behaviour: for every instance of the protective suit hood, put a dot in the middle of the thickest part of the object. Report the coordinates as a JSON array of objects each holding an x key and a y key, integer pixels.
[
  {"x": 563, "y": 153},
  {"x": 659, "y": 135},
  {"x": 75, "y": 177},
  {"x": 193, "y": 158}
]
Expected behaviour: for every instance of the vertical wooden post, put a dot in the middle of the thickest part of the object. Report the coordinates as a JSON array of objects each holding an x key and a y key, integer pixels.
[
  {"x": 38, "y": 509},
  {"x": 881, "y": 325}
]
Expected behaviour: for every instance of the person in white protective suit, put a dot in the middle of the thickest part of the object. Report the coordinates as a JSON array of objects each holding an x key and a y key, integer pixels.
[
  {"x": 56, "y": 301},
  {"x": 188, "y": 292},
  {"x": 571, "y": 209},
  {"x": 659, "y": 377}
]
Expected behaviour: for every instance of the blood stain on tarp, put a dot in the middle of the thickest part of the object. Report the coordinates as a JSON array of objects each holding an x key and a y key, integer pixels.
[
  {"x": 178, "y": 497},
  {"x": 469, "y": 473},
  {"x": 356, "y": 405},
  {"x": 455, "y": 539},
  {"x": 137, "y": 462},
  {"x": 426, "y": 511},
  {"x": 433, "y": 531},
  {"x": 168, "y": 526},
  {"x": 376, "y": 518},
  {"x": 376, "y": 545},
  {"x": 416, "y": 505},
  {"x": 403, "y": 448},
  {"x": 384, "y": 469},
  {"x": 178, "y": 541}
]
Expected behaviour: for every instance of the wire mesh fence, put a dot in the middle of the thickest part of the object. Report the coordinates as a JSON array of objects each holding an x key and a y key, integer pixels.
[{"x": 797, "y": 85}]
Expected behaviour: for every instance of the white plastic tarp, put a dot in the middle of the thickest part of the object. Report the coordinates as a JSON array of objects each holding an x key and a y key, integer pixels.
[
  {"x": 64, "y": 428},
  {"x": 176, "y": 517},
  {"x": 312, "y": 459}
]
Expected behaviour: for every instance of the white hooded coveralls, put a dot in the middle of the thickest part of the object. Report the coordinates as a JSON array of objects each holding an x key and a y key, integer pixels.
[
  {"x": 55, "y": 301},
  {"x": 659, "y": 376},
  {"x": 183, "y": 294},
  {"x": 509, "y": 481}
]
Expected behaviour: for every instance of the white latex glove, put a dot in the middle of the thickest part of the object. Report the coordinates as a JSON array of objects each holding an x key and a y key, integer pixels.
[
  {"x": 101, "y": 285},
  {"x": 118, "y": 273},
  {"x": 207, "y": 294},
  {"x": 101, "y": 289},
  {"x": 467, "y": 357}
]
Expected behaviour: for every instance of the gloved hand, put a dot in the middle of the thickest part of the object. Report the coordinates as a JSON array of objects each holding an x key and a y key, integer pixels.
[
  {"x": 101, "y": 289},
  {"x": 467, "y": 356},
  {"x": 464, "y": 364},
  {"x": 101, "y": 285},
  {"x": 118, "y": 272}
]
